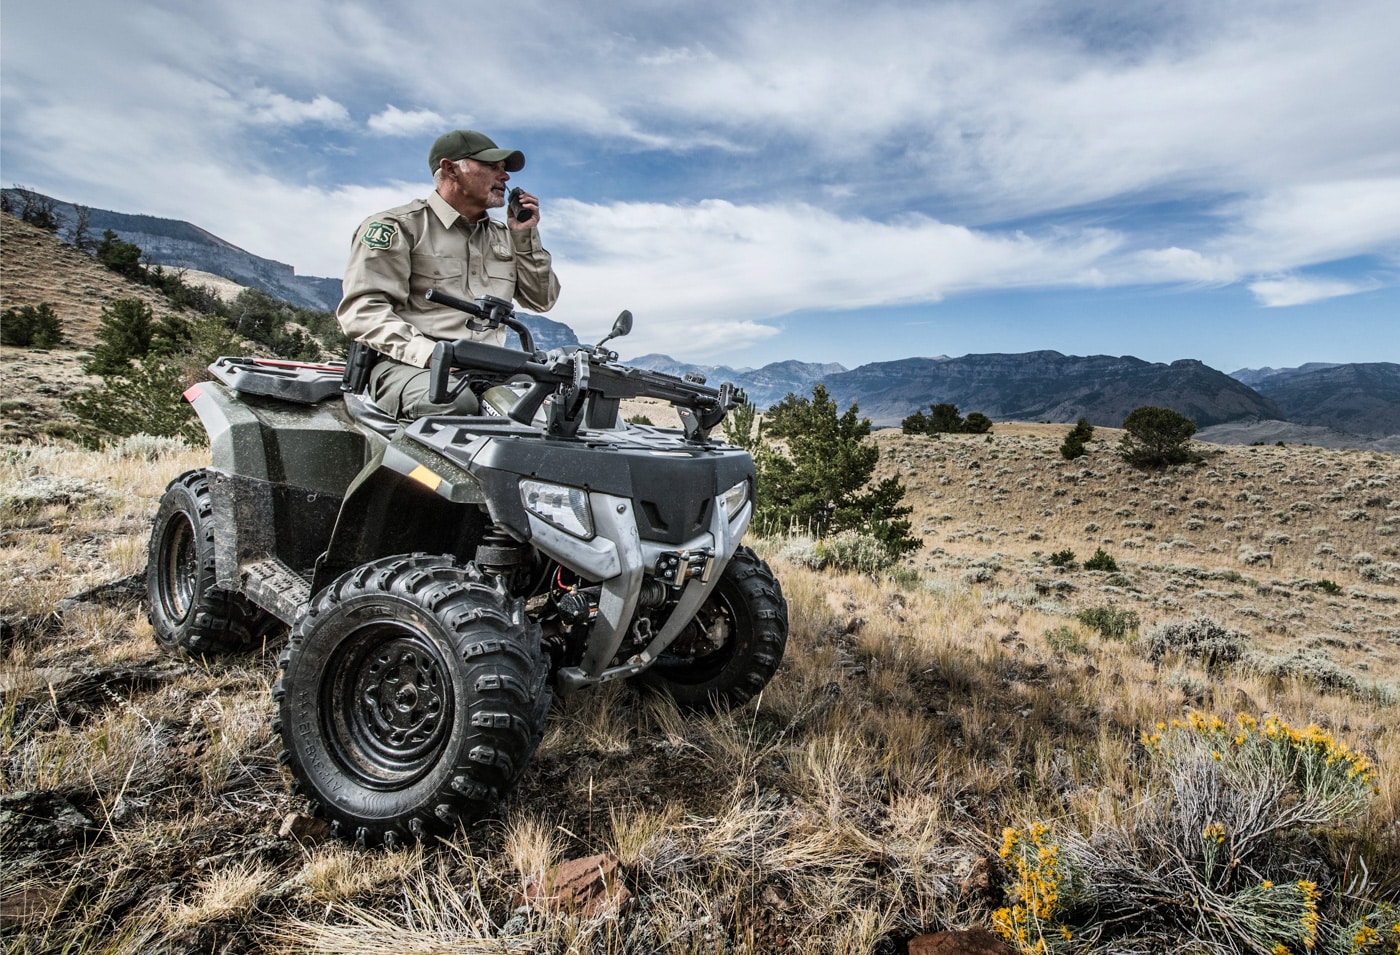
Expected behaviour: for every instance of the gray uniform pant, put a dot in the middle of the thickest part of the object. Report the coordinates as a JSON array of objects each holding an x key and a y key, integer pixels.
[{"x": 402, "y": 391}]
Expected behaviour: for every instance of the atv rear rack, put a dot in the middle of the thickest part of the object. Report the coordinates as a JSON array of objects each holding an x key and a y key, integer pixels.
[{"x": 305, "y": 384}]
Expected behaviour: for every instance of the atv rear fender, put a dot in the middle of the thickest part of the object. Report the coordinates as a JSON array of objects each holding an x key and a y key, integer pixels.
[{"x": 280, "y": 470}]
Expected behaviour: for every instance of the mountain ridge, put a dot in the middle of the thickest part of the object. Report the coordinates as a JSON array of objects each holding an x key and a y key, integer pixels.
[
  {"x": 1254, "y": 376},
  {"x": 177, "y": 243},
  {"x": 1362, "y": 398}
]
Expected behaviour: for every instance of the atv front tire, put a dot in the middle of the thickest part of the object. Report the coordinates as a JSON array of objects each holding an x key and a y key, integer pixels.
[
  {"x": 733, "y": 647},
  {"x": 188, "y": 613},
  {"x": 413, "y": 694}
]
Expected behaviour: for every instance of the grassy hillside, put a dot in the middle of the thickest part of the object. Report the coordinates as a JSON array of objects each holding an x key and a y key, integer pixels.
[
  {"x": 860, "y": 802},
  {"x": 1298, "y": 545},
  {"x": 35, "y": 267}
]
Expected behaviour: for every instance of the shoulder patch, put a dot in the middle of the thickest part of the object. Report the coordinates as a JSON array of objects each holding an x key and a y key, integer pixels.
[{"x": 378, "y": 234}]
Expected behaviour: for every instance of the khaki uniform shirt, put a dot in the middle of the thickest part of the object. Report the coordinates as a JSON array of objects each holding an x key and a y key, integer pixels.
[{"x": 398, "y": 255}]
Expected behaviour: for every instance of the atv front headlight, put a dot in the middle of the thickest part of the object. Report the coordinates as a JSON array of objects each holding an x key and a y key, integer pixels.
[
  {"x": 564, "y": 507},
  {"x": 735, "y": 498}
]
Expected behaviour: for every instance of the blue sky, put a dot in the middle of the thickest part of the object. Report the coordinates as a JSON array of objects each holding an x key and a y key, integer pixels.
[{"x": 823, "y": 181}]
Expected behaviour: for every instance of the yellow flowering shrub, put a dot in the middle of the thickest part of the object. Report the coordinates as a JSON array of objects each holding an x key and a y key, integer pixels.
[
  {"x": 1043, "y": 882},
  {"x": 1221, "y": 851}
]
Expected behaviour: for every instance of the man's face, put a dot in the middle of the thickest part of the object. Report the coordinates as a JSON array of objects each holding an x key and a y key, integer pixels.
[{"x": 484, "y": 182}]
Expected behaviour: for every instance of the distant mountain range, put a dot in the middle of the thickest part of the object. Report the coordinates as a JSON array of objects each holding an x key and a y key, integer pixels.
[
  {"x": 1331, "y": 405},
  {"x": 1256, "y": 376},
  {"x": 764, "y": 386},
  {"x": 1352, "y": 405},
  {"x": 1360, "y": 398}
]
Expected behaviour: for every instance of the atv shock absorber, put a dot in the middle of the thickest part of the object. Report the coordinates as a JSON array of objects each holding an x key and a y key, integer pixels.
[{"x": 499, "y": 554}]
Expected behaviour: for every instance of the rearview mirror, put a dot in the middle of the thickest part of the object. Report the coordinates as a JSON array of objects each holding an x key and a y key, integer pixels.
[{"x": 623, "y": 325}]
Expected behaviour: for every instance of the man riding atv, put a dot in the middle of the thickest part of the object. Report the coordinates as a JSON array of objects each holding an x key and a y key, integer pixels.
[{"x": 446, "y": 242}]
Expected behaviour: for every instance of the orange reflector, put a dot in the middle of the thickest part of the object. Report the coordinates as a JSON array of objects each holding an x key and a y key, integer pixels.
[
  {"x": 191, "y": 393},
  {"x": 425, "y": 477}
]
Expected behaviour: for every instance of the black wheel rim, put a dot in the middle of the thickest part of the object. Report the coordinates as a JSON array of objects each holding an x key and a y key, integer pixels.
[
  {"x": 705, "y": 646},
  {"x": 179, "y": 569},
  {"x": 387, "y": 704}
]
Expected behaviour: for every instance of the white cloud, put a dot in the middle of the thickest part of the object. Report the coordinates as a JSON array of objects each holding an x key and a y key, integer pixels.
[
  {"x": 1316, "y": 222},
  {"x": 707, "y": 275},
  {"x": 396, "y": 122},
  {"x": 1177, "y": 265},
  {"x": 824, "y": 177},
  {"x": 1294, "y": 290},
  {"x": 999, "y": 108},
  {"x": 272, "y": 108}
]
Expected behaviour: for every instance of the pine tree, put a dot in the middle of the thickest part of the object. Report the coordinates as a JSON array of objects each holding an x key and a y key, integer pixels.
[
  {"x": 739, "y": 427},
  {"x": 814, "y": 483},
  {"x": 1156, "y": 437},
  {"x": 124, "y": 258},
  {"x": 916, "y": 423},
  {"x": 1075, "y": 441},
  {"x": 123, "y": 335},
  {"x": 143, "y": 394},
  {"x": 945, "y": 420},
  {"x": 977, "y": 423},
  {"x": 31, "y": 326}
]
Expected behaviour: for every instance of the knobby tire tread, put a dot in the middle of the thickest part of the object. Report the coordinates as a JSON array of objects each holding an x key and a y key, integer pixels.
[
  {"x": 495, "y": 656},
  {"x": 219, "y": 622},
  {"x": 757, "y": 598}
]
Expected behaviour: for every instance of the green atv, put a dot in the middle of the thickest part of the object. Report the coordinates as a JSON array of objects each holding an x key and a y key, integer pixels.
[{"x": 442, "y": 579}]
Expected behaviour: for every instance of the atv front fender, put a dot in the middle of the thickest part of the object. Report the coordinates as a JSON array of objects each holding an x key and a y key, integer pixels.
[{"x": 405, "y": 499}]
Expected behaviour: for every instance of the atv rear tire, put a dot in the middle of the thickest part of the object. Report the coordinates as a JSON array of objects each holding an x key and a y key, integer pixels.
[
  {"x": 413, "y": 694},
  {"x": 188, "y": 613},
  {"x": 733, "y": 647}
]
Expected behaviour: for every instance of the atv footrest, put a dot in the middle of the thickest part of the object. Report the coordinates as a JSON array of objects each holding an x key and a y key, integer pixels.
[{"x": 276, "y": 588}]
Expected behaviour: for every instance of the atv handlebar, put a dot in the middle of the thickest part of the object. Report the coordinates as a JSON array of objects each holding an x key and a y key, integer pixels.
[
  {"x": 573, "y": 373},
  {"x": 495, "y": 311}
]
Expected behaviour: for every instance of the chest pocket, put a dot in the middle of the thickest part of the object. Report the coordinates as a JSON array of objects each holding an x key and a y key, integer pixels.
[
  {"x": 435, "y": 271},
  {"x": 500, "y": 271}
]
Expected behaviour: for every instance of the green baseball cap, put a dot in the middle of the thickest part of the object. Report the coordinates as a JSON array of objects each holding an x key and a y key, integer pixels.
[{"x": 469, "y": 144}]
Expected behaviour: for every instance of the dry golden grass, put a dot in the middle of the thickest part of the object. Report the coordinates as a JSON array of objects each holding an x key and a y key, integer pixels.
[
  {"x": 335, "y": 873},
  {"x": 221, "y": 894},
  {"x": 1255, "y": 537},
  {"x": 848, "y": 808}
]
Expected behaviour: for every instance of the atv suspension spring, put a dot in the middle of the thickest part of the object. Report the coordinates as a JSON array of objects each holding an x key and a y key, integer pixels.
[{"x": 498, "y": 553}]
